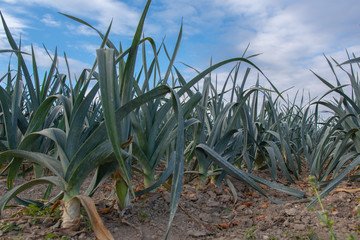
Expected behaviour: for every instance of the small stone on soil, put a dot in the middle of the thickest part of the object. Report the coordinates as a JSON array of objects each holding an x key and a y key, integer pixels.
[
  {"x": 286, "y": 223},
  {"x": 204, "y": 216},
  {"x": 213, "y": 203},
  {"x": 291, "y": 211},
  {"x": 299, "y": 227},
  {"x": 211, "y": 194},
  {"x": 225, "y": 198},
  {"x": 248, "y": 212},
  {"x": 195, "y": 233},
  {"x": 247, "y": 223},
  {"x": 194, "y": 198},
  {"x": 82, "y": 236}
]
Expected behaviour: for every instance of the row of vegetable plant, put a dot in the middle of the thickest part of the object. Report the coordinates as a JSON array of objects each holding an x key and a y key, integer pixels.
[{"x": 115, "y": 120}]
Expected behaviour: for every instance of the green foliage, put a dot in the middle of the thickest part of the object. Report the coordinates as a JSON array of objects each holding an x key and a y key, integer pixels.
[
  {"x": 38, "y": 213},
  {"x": 55, "y": 236},
  {"x": 309, "y": 235},
  {"x": 138, "y": 119},
  {"x": 50, "y": 236},
  {"x": 8, "y": 227},
  {"x": 323, "y": 215},
  {"x": 33, "y": 210},
  {"x": 142, "y": 214},
  {"x": 337, "y": 151},
  {"x": 273, "y": 238},
  {"x": 249, "y": 233}
]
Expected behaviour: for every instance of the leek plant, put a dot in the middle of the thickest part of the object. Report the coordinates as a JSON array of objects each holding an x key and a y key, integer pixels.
[
  {"x": 20, "y": 105},
  {"x": 118, "y": 90},
  {"x": 79, "y": 145},
  {"x": 65, "y": 138},
  {"x": 154, "y": 124},
  {"x": 68, "y": 165},
  {"x": 114, "y": 121},
  {"x": 161, "y": 136},
  {"x": 245, "y": 140},
  {"x": 216, "y": 126},
  {"x": 279, "y": 135},
  {"x": 228, "y": 133},
  {"x": 71, "y": 166},
  {"x": 73, "y": 156},
  {"x": 36, "y": 92},
  {"x": 338, "y": 150}
]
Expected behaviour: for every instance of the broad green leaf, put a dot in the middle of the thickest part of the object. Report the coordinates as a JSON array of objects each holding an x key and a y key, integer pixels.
[
  {"x": 77, "y": 172},
  {"x": 11, "y": 131},
  {"x": 177, "y": 181},
  {"x": 354, "y": 60},
  {"x": 77, "y": 122},
  {"x": 337, "y": 180},
  {"x": 42, "y": 159},
  {"x": 18, "y": 189},
  {"x": 34, "y": 101},
  {"x": 231, "y": 169},
  {"x": 40, "y": 115},
  {"x": 108, "y": 82},
  {"x": 57, "y": 135},
  {"x": 279, "y": 187},
  {"x": 164, "y": 176}
]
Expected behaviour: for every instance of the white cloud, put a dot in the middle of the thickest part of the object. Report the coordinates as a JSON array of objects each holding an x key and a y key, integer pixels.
[
  {"x": 16, "y": 26},
  {"x": 48, "y": 19},
  {"x": 91, "y": 48},
  {"x": 198, "y": 16},
  {"x": 11, "y": 1},
  {"x": 257, "y": 8},
  {"x": 14, "y": 22},
  {"x": 292, "y": 35},
  {"x": 42, "y": 58},
  {"x": 100, "y": 11},
  {"x": 81, "y": 30}
]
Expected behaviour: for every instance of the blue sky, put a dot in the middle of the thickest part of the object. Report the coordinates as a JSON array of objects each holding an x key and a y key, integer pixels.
[{"x": 291, "y": 36}]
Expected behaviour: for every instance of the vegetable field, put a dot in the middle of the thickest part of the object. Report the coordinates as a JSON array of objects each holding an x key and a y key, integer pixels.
[{"x": 132, "y": 139}]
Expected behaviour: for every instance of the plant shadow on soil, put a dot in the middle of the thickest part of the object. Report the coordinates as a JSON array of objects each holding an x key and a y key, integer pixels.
[{"x": 204, "y": 212}]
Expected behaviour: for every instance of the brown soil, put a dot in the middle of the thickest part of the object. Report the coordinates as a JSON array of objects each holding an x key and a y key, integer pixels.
[{"x": 208, "y": 212}]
